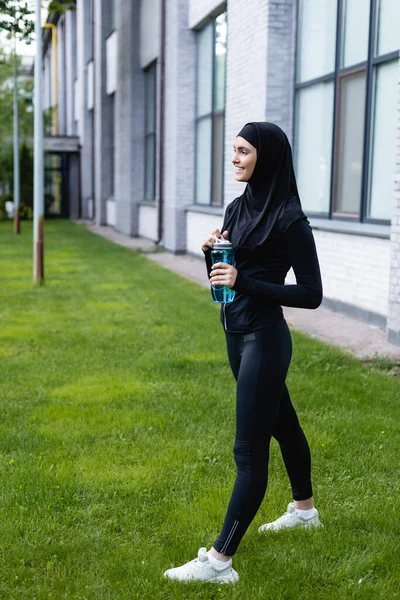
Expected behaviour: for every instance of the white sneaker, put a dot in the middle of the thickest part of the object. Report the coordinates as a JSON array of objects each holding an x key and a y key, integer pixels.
[
  {"x": 201, "y": 569},
  {"x": 293, "y": 518}
]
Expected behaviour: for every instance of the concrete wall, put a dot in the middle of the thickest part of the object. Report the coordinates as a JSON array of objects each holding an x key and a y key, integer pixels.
[
  {"x": 150, "y": 16},
  {"x": 201, "y": 10},
  {"x": 180, "y": 73},
  {"x": 85, "y": 123},
  {"x": 129, "y": 124}
]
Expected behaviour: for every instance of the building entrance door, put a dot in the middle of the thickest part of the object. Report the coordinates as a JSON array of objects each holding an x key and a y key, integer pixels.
[{"x": 56, "y": 185}]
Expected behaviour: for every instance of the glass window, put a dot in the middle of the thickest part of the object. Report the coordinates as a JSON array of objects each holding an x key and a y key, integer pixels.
[
  {"x": 335, "y": 109},
  {"x": 316, "y": 38},
  {"x": 211, "y": 61},
  {"x": 313, "y": 150},
  {"x": 112, "y": 144},
  {"x": 220, "y": 61},
  {"x": 218, "y": 165},
  {"x": 204, "y": 70},
  {"x": 350, "y": 142},
  {"x": 150, "y": 132},
  {"x": 389, "y": 26},
  {"x": 203, "y": 163},
  {"x": 356, "y": 30},
  {"x": 384, "y": 142}
]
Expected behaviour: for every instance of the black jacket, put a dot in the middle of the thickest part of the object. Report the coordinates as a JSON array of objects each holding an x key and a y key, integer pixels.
[{"x": 260, "y": 283}]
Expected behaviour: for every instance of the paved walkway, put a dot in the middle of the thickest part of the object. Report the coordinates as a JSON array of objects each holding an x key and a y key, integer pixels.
[{"x": 361, "y": 339}]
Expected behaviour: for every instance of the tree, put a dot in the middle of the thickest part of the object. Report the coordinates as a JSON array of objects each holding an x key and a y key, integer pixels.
[
  {"x": 16, "y": 15},
  {"x": 6, "y": 127}
]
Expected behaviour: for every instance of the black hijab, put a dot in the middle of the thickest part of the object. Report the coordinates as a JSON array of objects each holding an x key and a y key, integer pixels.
[{"x": 271, "y": 192}]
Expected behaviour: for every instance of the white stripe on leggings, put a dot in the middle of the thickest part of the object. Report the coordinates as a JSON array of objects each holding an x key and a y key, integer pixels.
[{"x": 230, "y": 536}]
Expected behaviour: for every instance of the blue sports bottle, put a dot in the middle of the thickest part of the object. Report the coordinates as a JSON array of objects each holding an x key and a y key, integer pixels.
[{"x": 222, "y": 252}]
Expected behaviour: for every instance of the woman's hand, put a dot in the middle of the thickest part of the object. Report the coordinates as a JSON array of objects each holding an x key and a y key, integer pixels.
[
  {"x": 208, "y": 243},
  {"x": 223, "y": 274}
]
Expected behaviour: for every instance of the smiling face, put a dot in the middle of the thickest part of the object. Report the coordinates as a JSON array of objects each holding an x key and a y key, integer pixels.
[{"x": 244, "y": 159}]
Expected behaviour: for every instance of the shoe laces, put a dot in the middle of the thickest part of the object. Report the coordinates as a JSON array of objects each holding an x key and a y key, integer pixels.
[{"x": 289, "y": 514}]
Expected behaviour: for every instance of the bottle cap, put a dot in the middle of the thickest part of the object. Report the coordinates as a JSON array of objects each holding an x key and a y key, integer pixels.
[{"x": 222, "y": 243}]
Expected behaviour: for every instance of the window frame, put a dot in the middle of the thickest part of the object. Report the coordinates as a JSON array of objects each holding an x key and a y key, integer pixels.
[
  {"x": 370, "y": 65},
  {"x": 152, "y": 69},
  {"x": 210, "y": 115}
]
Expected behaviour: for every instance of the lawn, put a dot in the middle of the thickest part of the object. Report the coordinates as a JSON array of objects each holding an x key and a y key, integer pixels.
[{"x": 117, "y": 426}]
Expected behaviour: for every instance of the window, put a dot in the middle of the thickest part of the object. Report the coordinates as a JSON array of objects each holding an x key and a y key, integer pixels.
[
  {"x": 383, "y": 141},
  {"x": 316, "y": 38},
  {"x": 150, "y": 76},
  {"x": 211, "y": 61},
  {"x": 112, "y": 15},
  {"x": 314, "y": 118},
  {"x": 355, "y": 32},
  {"x": 346, "y": 89}
]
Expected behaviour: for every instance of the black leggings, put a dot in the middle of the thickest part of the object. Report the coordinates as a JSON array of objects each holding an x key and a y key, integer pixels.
[{"x": 260, "y": 362}]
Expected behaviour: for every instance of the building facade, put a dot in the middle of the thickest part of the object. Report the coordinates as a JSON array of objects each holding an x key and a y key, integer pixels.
[{"x": 156, "y": 91}]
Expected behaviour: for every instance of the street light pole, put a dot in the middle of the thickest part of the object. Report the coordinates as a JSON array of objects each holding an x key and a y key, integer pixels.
[
  {"x": 16, "y": 142},
  {"x": 38, "y": 194},
  {"x": 16, "y": 138}
]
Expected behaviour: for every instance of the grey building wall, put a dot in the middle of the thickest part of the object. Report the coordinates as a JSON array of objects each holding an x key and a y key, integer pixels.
[
  {"x": 179, "y": 138},
  {"x": 103, "y": 113},
  {"x": 246, "y": 77},
  {"x": 70, "y": 70},
  {"x": 129, "y": 124},
  {"x": 61, "y": 64},
  {"x": 150, "y": 15},
  {"x": 85, "y": 122},
  {"x": 394, "y": 282},
  {"x": 201, "y": 10},
  {"x": 281, "y": 53}
]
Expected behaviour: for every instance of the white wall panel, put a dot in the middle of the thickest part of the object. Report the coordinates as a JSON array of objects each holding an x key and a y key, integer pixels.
[
  {"x": 148, "y": 222},
  {"x": 111, "y": 49}
]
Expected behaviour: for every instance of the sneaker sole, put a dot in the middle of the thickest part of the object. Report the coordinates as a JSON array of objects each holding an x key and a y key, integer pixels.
[
  {"x": 314, "y": 523},
  {"x": 232, "y": 577}
]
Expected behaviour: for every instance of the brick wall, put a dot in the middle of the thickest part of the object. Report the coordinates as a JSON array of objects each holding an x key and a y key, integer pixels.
[
  {"x": 281, "y": 64},
  {"x": 362, "y": 281},
  {"x": 85, "y": 117},
  {"x": 246, "y": 77},
  {"x": 150, "y": 14},
  {"x": 201, "y": 10},
  {"x": 394, "y": 289},
  {"x": 179, "y": 130},
  {"x": 129, "y": 119}
]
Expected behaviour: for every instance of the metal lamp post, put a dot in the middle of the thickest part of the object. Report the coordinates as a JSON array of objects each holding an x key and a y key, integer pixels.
[{"x": 16, "y": 139}]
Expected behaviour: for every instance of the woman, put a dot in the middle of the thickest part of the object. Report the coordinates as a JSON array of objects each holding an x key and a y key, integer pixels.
[{"x": 270, "y": 233}]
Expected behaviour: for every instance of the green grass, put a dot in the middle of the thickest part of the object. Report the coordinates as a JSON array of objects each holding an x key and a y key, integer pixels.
[{"x": 117, "y": 426}]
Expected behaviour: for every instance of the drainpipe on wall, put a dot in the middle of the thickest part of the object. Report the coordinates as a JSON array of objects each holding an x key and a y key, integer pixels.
[{"x": 161, "y": 136}]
